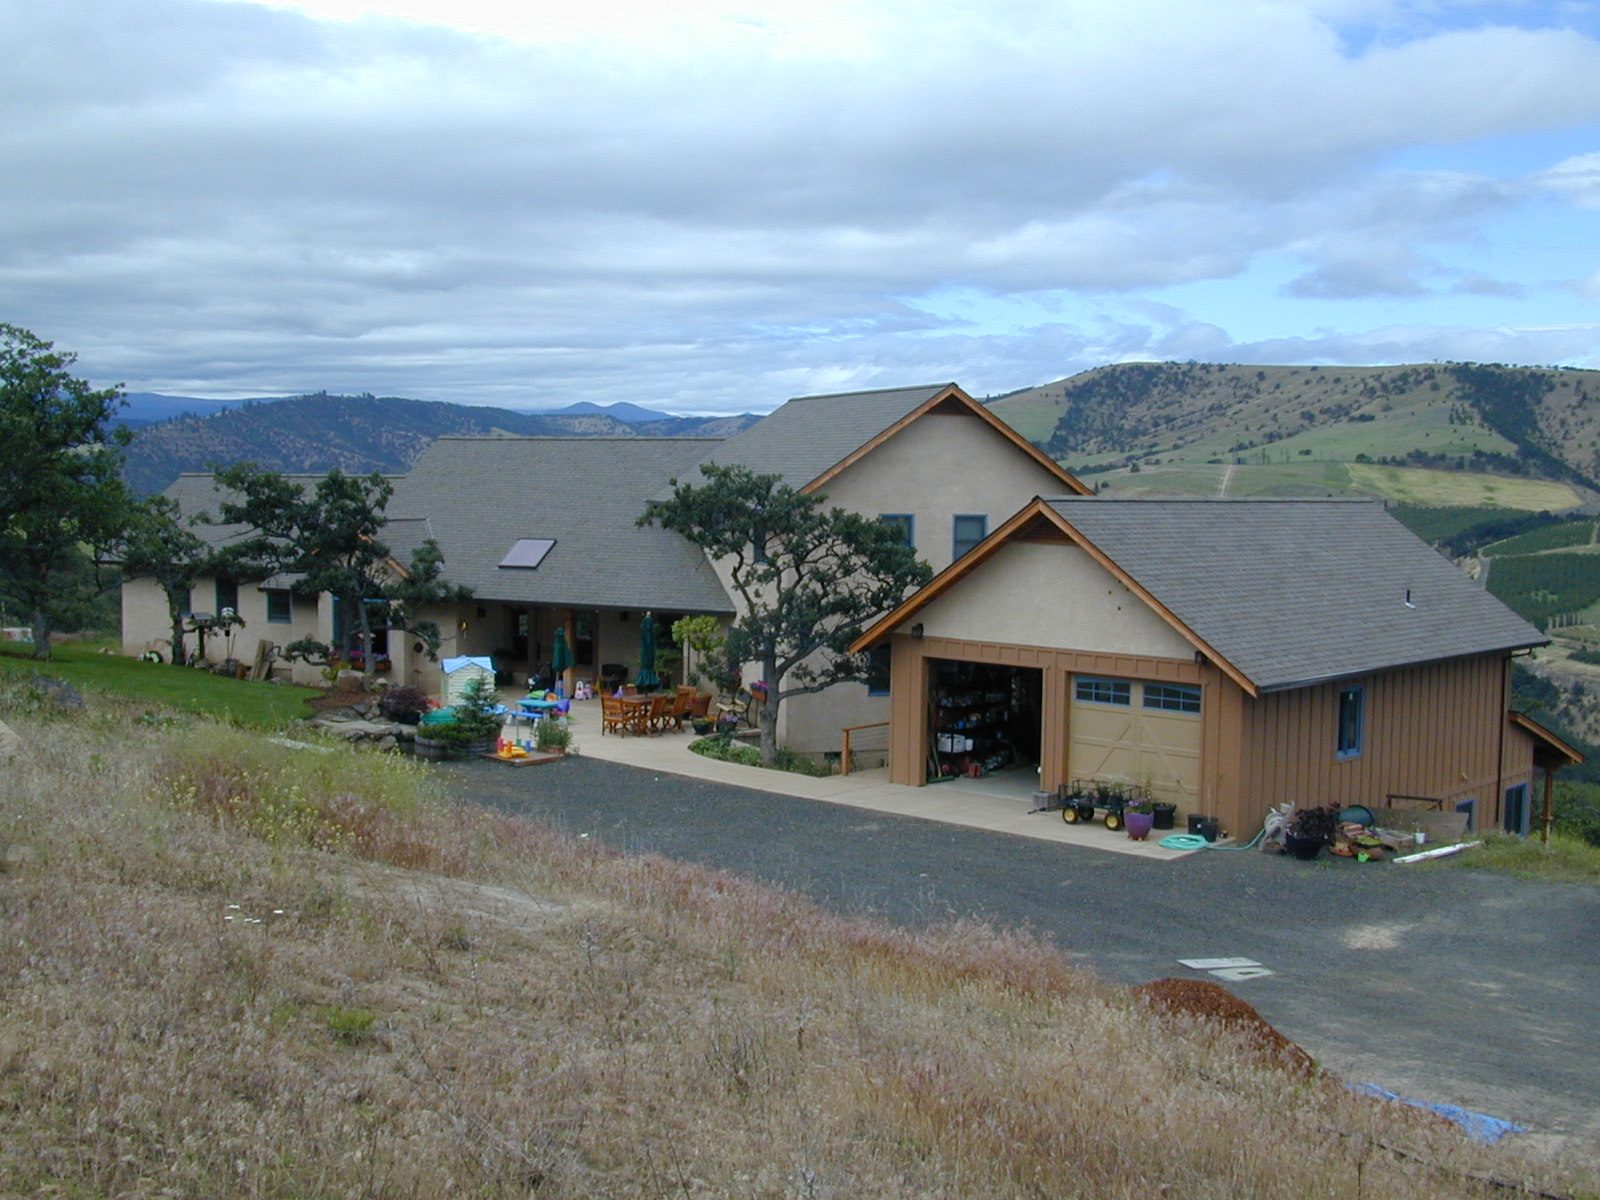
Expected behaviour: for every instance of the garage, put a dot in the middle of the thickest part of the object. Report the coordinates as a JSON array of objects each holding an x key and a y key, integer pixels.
[
  {"x": 984, "y": 722},
  {"x": 1142, "y": 731}
]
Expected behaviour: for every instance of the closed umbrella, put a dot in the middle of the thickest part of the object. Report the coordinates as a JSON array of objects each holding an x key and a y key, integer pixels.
[
  {"x": 647, "y": 677},
  {"x": 560, "y": 656}
]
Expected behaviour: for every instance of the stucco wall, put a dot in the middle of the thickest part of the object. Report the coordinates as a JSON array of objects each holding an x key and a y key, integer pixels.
[
  {"x": 146, "y": 624},
  {"x": 1047, "y": 594},
  {"x": 937, "y": 467}
]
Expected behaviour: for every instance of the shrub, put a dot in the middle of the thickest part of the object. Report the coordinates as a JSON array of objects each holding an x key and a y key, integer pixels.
[
  {"x": 405, "y": 704},
  {"x": 550, "y": 734}
]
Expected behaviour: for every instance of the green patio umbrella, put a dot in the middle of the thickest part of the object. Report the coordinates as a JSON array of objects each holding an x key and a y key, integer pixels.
[
  {"x": 560, "y": 656},
  {"x": 647, "y": 677}
]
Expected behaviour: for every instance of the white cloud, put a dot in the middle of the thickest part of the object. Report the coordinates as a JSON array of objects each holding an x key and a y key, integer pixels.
[{"x": 716, "y": 204}]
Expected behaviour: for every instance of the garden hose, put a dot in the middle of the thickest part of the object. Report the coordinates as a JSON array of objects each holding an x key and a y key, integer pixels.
[{"x": 1193, "y": 841}]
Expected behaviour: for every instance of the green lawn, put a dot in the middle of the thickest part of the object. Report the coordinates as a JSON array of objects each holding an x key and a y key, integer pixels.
[{"x": 259, "y": 705}]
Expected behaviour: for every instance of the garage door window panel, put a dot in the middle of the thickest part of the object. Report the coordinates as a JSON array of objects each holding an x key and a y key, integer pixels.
[
  {"x": 1091, "y": 690},
  {"x": 1166, "y": 697}
]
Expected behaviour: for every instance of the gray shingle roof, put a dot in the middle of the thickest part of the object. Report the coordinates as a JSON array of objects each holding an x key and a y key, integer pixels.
[
  {"x": 809, "y": 434},
  {"x": 196, "y": 493},
  {"x": 1296, "y": 591},
  {"x": 479, "y": 495}
]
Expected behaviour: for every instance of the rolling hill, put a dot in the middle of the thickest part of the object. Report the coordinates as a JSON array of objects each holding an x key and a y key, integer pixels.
[
  {"x": 1440, "y": 434},
  {"x": 362, "y": 433}
]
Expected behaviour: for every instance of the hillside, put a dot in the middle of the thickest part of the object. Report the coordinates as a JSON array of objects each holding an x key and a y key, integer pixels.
[
  {"x": 1431, "y": 434},
  {"x": 360, "y": 434}
]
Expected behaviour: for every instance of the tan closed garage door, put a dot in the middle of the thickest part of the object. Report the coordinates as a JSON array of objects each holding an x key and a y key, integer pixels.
[{"x": 1138, "y": 732}]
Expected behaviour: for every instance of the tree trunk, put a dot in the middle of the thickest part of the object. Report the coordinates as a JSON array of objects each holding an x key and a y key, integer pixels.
[
  {"x": 175, "y": 611},
  {"x": 769, "y": 713},
  {"x": 41, "y": 634},
  {"x": 365, "y": 626}
]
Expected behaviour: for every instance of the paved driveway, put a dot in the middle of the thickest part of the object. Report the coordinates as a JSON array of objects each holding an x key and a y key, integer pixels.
[{"x": 1454, "y": 986}]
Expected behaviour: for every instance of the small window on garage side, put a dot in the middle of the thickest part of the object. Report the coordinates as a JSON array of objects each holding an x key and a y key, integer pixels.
[
  {"x": 878, "y": 670},
  {"x": 967, "y": 530},
  {"x": 1104, "y": 691},
  {"x": 280, "y": 606},
  {"x": 1172, "y": 697},
  {"x": 1352, "y": 702}
]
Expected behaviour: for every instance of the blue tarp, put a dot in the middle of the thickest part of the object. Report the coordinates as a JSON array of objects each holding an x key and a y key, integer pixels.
[{"x": 1479, "y": 1127}]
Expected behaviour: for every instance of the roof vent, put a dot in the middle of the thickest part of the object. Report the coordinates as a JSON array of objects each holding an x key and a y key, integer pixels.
[{"x": 1409, "y": 604}]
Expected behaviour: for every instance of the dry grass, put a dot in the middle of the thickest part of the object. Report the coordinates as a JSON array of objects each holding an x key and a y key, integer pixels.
[{"x": 223, "y": 974}]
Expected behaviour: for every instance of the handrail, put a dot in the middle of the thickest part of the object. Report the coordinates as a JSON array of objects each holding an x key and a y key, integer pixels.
[
  {"x": 1433, "y": 801},
  {"x": 844, "y": 755}
]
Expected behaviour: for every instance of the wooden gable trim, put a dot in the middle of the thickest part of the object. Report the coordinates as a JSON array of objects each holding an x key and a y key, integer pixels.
[
  {"x": 1546, "y": 738},
  {"x": 1032, "y": 521},
  {"x": 944, "y": 398}
]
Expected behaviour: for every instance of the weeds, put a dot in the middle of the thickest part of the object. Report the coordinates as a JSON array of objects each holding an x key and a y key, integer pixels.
[
  {"x": 563, "y": 1020},
  {"x": 1567, "y": 859}
]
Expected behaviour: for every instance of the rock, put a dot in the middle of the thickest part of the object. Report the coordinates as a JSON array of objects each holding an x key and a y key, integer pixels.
[
  {"x": 355, "y": 730},
  {"x": 387, "y": 742},
  {"x": 349, "y": 681},
  {"x": 10, "y": 742},
  {"x": 57, "y": 693}
]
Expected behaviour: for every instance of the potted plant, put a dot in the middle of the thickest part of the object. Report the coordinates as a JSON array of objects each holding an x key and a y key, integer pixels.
[
  {"x": 1138, "y": 814},
  {"x": 474, "y": 723},
  {"x": 1310, "y": 829},
  {"x": 551, "y": 736}
]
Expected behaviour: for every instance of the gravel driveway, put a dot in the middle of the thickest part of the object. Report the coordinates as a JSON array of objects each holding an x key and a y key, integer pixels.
[{"x": 1453, "y": 986}]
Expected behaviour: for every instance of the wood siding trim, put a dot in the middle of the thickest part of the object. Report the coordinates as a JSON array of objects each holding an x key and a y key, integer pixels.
[
  {"x": 943, "y": 399},
  {"x": 1545, "y": 740},
  {"x": 1431, "y": 730},
  {"x": 910, "y": 712}
]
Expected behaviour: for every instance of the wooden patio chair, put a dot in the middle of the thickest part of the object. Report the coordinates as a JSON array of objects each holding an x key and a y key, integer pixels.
[
  {"x": 657, "y": 714},
  {"x": 678, "y": 709},
  {"x": 613, "y": 716}
]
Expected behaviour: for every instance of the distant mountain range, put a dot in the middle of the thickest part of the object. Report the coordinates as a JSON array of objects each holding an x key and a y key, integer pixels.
[{"x": 315, "y": 433}]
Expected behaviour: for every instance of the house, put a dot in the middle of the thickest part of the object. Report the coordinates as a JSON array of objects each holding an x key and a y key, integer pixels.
[
  {"x": 931, "y": 459},
  {"x": 1229, "y": 654}
]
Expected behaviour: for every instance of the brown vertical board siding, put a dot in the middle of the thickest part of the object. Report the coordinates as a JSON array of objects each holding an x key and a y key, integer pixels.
[{"x": 1431, "y": 730}]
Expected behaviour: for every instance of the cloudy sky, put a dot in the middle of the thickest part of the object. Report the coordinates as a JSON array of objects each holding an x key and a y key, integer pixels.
[{"x": 715, "y": 204}]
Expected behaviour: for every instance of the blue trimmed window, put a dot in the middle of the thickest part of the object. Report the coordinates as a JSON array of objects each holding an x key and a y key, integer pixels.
[
  {"x": 280, "y": 606},
  {"x": 1172, "y": 697},
  {"x": 967, "y": 530},
  {"x": 227, "y": 595},
  {"x": 1352, "y": 722},
  {"x": 1104, "y": 691},
  {"x": 905, "y": 523}
]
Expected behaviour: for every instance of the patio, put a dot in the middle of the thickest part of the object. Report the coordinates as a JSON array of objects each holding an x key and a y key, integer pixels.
[{"x": 998, "y": 803}]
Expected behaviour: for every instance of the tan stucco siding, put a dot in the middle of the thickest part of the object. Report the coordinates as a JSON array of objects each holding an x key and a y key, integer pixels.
[
  {"x": 1043, "y": 594},
  {"x": 146, "y": 624},
  {"x": 936, "y": 467},
  {"x": 1435, "y": 730}
]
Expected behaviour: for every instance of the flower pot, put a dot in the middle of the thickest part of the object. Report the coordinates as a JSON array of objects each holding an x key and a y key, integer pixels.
[
  {"x": 1303, "y": 848},
  {"x": 1207, "y": 827},
  {"x": 426, "y": 747},
  {"x": 1164, "y": 814},
  {"x": 1139, "y": 824}
]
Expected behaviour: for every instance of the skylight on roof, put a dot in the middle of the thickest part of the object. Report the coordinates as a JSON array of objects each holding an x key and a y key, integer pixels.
[{"x": 527, "y": 552}]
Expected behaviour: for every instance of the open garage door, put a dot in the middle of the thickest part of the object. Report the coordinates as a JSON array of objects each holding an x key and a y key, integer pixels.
[{"x": 1139, "y": 732}]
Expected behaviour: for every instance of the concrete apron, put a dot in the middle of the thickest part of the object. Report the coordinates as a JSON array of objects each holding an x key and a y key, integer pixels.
[{"x": 960, "y": 802}]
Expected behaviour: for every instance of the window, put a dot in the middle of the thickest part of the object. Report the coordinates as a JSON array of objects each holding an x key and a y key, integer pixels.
[
  {"x": 968, "y": 530},
  {"x": 1516, "y": 809},
  {"x": 1172, "y": 697},
  {"x": 280, "y": 606},
  {"x": 1105, "y": 691},
  {"x": 905, "y": 523},
  {"x": 227, "y": 595},
  {"x": 878, "y": 670},
  {"x": 1351, "y": 705}
]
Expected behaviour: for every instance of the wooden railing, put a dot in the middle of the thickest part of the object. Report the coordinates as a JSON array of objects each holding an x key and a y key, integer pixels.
[
  {"x": 845, "y": 751},
  {"x": 1416, "y": 801}
]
